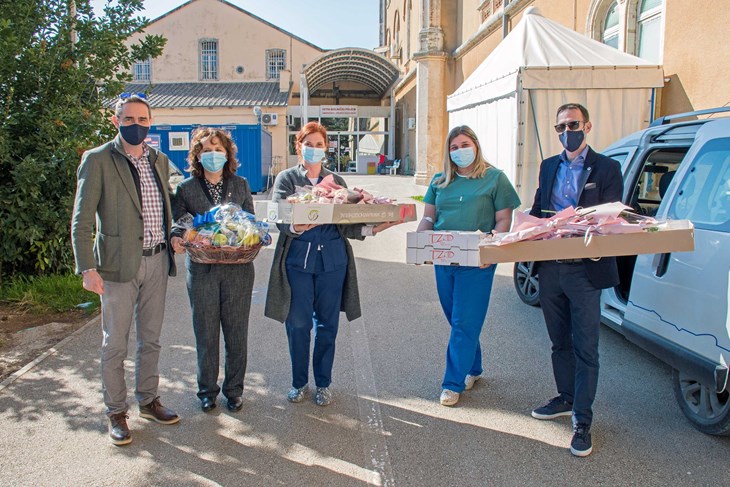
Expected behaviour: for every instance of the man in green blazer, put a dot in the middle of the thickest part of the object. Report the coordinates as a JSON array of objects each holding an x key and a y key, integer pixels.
[{"x": 122, "y": 197}]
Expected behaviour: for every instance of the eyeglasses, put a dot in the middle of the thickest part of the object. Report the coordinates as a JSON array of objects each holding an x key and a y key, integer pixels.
[
  {"x": 560, "y": 128},
  {"x": 125, "y": 95}
]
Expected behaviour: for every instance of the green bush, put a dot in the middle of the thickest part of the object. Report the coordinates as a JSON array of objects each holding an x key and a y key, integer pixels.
[{"x": 52, "y": 94}]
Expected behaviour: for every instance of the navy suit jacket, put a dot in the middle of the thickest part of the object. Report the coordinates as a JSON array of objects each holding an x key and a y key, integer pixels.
[{"x": 601, "y": 182}]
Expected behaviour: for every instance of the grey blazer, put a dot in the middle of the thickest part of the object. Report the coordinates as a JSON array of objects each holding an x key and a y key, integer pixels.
[
  {"x": 278, "y": 297},
  {"x": 107, "y": 198}
]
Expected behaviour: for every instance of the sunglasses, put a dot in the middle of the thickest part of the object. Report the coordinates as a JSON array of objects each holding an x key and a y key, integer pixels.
[
  {"x": 125, "y": 95},
  {"x": 560, "y": 128}
]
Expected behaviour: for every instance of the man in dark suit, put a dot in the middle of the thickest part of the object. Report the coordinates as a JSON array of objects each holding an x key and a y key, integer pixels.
[
  {"x": 570, "y": 289},
  {"x": 122, "y": 193}
]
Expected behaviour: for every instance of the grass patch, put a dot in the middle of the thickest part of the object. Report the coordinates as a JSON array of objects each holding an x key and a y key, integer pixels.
[
  {"x": 43, "y": 294},
  {"x": 417, "y": 198}
]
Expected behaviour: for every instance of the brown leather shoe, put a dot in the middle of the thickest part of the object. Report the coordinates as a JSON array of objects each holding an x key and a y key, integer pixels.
[
  {"x": 119, "y": 433},
  {"x": 155, "y": 411}
]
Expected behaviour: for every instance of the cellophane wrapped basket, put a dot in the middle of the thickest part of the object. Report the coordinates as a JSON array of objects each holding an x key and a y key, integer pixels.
[
  {"x": 221, "y": 255},
  {"x": 224, "y": 235}
]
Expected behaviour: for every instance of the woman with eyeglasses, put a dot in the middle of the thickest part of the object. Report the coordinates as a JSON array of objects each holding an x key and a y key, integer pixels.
[
  {"x": 220, "y": 294},
  {"x": 468, "y": 195},
  {"x": 313, "y": 274}
]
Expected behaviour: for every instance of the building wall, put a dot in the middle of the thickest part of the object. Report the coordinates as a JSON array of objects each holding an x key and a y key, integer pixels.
[
  {"x": 242, "y": 41},
  {"x": 695, "y": 56},
  {"x": 690, "y": 31}
]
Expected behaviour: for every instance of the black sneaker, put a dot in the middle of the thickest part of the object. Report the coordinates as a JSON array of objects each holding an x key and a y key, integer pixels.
[
  {"x": 581, "y": 444},
  {"x": 118, "y": 430},
  {"x": 556, "y": 407}
]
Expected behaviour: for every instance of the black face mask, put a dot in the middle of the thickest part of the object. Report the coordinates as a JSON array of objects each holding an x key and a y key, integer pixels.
[{"x": 134, "y": 134}]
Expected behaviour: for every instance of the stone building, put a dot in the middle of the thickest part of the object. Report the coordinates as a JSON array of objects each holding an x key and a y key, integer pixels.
[
  {"x": 438, "y": 44},
  {"x": 237, "y": 68}
]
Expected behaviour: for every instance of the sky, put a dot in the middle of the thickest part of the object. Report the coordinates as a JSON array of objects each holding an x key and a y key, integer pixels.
[{"x": 329, "y": 24}]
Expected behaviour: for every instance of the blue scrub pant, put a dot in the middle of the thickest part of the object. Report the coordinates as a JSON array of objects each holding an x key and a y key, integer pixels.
[
  {"x": 464, "y": 295},
  {"x": 315, "y": 303}
]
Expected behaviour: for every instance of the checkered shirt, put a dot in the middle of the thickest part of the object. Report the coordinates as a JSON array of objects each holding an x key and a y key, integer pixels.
[{"x": 152, "y": 205}]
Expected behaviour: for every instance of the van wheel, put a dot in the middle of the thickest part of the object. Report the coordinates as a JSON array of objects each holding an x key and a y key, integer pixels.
[
  {"x": 707, "y": 410},
  {"x": 526, "y": 283}
]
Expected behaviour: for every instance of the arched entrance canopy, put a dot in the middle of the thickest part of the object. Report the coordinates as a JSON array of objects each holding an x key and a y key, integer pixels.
[{"x": 352, "y": 64}]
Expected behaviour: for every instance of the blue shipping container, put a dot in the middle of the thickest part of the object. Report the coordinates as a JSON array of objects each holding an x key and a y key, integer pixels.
[{"x": 253, "y": 141}]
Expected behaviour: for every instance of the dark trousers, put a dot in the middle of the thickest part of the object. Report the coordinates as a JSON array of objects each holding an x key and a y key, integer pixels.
[
  {"x": 220, "y": 297},
  {"x": 572, "y": 309},
  {"x": 315, "y": 303}
]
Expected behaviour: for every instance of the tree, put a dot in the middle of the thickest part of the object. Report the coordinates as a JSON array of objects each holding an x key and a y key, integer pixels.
[{"x": 59, "y": 63}]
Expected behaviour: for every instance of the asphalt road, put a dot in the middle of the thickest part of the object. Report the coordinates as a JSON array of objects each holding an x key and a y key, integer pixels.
[{"x": 385, "y": 426}]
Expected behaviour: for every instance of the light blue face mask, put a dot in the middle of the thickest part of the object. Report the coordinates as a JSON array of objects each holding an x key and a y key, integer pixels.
[
  {"x": 213, "y": 161},
  {"x": 312, "y": 155},
  {"x": 462, "y": 157}
]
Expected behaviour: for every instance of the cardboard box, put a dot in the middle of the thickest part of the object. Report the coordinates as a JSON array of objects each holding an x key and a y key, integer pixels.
[
  {"x": 443, "y": 248},
  {"x": 676, "y": 236},
  {"x": 304, "y": 213}
]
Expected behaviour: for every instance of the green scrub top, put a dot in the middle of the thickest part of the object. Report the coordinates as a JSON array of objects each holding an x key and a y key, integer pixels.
[{"x": 471, "y": 204}]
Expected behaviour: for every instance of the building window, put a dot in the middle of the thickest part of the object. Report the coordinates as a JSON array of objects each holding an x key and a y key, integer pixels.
[
  {"x": 209, "y": 59},
  {"x": 609, "y": 35},
  {"x": 649, "y": 30},
  {"x": 143, "y": 70},
  {"x": 275, "y": 62}
]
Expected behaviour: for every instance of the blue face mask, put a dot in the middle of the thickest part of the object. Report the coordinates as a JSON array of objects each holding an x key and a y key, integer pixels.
[
  {"x": 462, "y": 157},
  {"x": 213, "y": 161},
  {"x": 312, "y": 155},
  {"x": 572, "y": 139}
]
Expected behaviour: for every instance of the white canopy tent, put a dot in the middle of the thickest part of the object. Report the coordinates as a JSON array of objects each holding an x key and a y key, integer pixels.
[{"x": 511, "y": 98}]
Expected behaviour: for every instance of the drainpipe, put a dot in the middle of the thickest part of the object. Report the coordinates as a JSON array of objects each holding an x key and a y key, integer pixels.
[{"x": 505, "y": 25}]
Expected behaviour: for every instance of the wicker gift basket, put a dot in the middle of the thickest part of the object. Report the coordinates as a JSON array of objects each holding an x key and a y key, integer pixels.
[
  {"x": 221, "y": 255},
  {"x": 224, "y": 235}
]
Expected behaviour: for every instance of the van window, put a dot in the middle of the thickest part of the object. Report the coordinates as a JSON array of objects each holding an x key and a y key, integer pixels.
[
  {"x": 652, "y": 182},
  {"x": 704, "y": 194}
]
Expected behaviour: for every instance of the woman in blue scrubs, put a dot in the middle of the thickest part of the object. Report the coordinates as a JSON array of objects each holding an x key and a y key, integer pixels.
[
  {"x": 469, "y": 195},
  {"x": 313, "y": 273}
]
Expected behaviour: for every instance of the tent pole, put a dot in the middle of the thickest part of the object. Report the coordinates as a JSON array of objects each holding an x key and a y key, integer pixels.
[{"x": 537, "y": 129}]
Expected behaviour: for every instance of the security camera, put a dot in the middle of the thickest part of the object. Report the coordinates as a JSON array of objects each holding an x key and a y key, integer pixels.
[{"x": 257, "y": 111}]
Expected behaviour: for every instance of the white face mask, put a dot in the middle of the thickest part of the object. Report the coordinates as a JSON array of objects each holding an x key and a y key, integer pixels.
[{"x": 312, "y": 155}]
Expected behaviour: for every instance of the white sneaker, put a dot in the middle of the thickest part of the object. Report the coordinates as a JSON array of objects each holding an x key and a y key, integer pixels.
[
  {"x": 471, "y": 380},
  {"x": 449, "y": 398}
]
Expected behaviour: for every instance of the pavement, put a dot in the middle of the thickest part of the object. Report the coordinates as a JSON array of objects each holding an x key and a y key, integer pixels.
[{"x": 385, "y": 426}]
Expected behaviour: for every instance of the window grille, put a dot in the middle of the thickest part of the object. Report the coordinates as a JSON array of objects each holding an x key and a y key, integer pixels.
[
  {"x": 275, "y": 62},
  {"x": 143, "y": 70},
  {"x": 209, "y": 59}
]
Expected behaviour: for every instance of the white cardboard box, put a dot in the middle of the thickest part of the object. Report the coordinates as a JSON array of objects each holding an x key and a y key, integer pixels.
[
  {"x": 443, "y": 248},
  {"x": 676, "y": 236},
  {"x": 304, "y": 213}
]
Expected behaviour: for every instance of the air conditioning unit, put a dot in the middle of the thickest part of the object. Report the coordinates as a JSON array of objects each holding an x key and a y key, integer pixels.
[
  {"x": 179, "y": 141},
  {"x": 411, "y": 124},
  {"x": 269, "y": 118}
]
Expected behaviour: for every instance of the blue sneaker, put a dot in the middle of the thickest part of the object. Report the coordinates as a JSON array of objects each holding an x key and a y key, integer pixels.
[
  {"x": 555, "y": 408},
  {"x": 581, "y": 444}
]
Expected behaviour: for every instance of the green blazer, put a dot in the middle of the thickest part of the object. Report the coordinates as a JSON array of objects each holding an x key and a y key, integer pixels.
[{"x": 107, "y": 201}]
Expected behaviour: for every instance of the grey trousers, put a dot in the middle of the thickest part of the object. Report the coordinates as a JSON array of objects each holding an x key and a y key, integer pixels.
[
  {"x": 141, "y": 300},
  {"x": 220, "y": 297}
]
